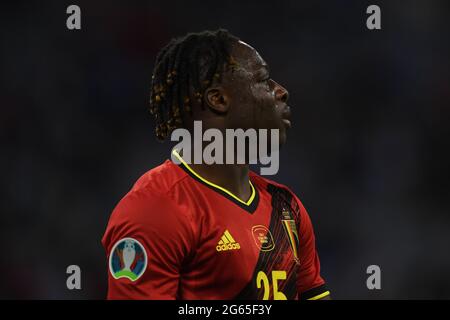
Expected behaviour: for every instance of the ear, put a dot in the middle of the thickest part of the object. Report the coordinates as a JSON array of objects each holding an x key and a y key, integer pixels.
[{"x": 216, "y": 99}]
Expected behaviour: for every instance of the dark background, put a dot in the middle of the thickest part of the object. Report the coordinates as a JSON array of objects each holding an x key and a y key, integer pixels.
[{"x": 368, "y": 153}]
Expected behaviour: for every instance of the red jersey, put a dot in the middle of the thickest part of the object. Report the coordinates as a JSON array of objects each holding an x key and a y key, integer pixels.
[{"x": 176, "y": 235}]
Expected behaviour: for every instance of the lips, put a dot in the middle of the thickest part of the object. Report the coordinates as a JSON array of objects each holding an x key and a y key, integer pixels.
[{"x": 287, "y": 123}]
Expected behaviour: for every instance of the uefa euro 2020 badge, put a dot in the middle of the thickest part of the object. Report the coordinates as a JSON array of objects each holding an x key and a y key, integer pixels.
[{"x": 128, "y": 259}]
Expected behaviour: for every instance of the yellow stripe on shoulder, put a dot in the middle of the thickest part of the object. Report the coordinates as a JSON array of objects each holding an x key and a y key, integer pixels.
[{"x": 320, "y": 296}]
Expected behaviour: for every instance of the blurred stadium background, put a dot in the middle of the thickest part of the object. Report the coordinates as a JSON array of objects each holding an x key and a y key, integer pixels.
[{"x": 368, "y": 153}]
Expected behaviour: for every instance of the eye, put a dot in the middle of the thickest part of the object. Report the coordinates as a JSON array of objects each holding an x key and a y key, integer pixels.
[{"x": 265, "y": 81}]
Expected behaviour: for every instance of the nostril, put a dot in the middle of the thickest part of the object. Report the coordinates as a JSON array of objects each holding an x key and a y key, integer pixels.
[
  {"x": 282, "y": 95},
  {"x": 285, "y": 96}
]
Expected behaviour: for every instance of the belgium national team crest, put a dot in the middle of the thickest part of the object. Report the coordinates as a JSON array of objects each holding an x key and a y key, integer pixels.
[
  {"x": 128, "y": 259},
  {"x": 291, "y": 232}
]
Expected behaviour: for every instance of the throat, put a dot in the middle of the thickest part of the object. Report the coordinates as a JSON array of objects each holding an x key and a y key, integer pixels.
[{"x": 234, "y": 178}]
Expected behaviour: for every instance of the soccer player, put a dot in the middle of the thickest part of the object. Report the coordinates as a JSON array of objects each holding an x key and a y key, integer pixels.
[{"x": 212, "y": 231}]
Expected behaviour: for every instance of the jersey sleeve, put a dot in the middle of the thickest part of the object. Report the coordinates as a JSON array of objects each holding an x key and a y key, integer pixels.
[
  {"x": 147, "y": 240},
  {"x": 310, "y": 284}
]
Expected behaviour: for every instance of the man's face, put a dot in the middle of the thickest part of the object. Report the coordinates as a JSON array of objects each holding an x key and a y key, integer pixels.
[{"x": 255, "y": 100}]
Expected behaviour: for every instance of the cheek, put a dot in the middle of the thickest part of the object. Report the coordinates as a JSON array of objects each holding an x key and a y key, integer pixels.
[
  {"x": 265, "y": 105},
  {"x": 261, "y": 98},
  {"x": 255, "y": 108},
  {"x": 244, "y": 105}
]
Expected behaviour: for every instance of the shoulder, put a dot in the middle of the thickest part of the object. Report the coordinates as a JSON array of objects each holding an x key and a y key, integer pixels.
[
  {"x": 281, "y": 191},
  {"x": 264, "y": 182},
  {"x": 151, "y": 204},
  {"x": 271, "y": 186},
  {"x": 153, "y": 190},
  {"x": 161, "y": 179}
]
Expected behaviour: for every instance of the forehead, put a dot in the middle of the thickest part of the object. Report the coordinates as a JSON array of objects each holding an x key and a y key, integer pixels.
[{"x": 248, "y": 57}]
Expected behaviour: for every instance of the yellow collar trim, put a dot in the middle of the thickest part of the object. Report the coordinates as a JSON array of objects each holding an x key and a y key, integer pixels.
[{"x": 249, "y": 201}]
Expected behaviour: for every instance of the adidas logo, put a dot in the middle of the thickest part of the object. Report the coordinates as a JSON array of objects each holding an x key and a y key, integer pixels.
[{"x": 227, "y": 242}]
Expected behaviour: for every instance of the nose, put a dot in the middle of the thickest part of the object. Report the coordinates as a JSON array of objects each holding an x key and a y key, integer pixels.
[{"x": 281, "y": 93}]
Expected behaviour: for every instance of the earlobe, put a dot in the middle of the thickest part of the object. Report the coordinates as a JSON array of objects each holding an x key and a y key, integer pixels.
[{"x": 216, "y": 99}]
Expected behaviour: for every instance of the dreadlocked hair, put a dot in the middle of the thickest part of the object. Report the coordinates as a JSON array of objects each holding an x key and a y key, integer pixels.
[{"x": 183, "y": 70}]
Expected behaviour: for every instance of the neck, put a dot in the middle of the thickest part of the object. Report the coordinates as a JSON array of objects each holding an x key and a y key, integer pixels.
[{"x": 234, "y": 178}]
